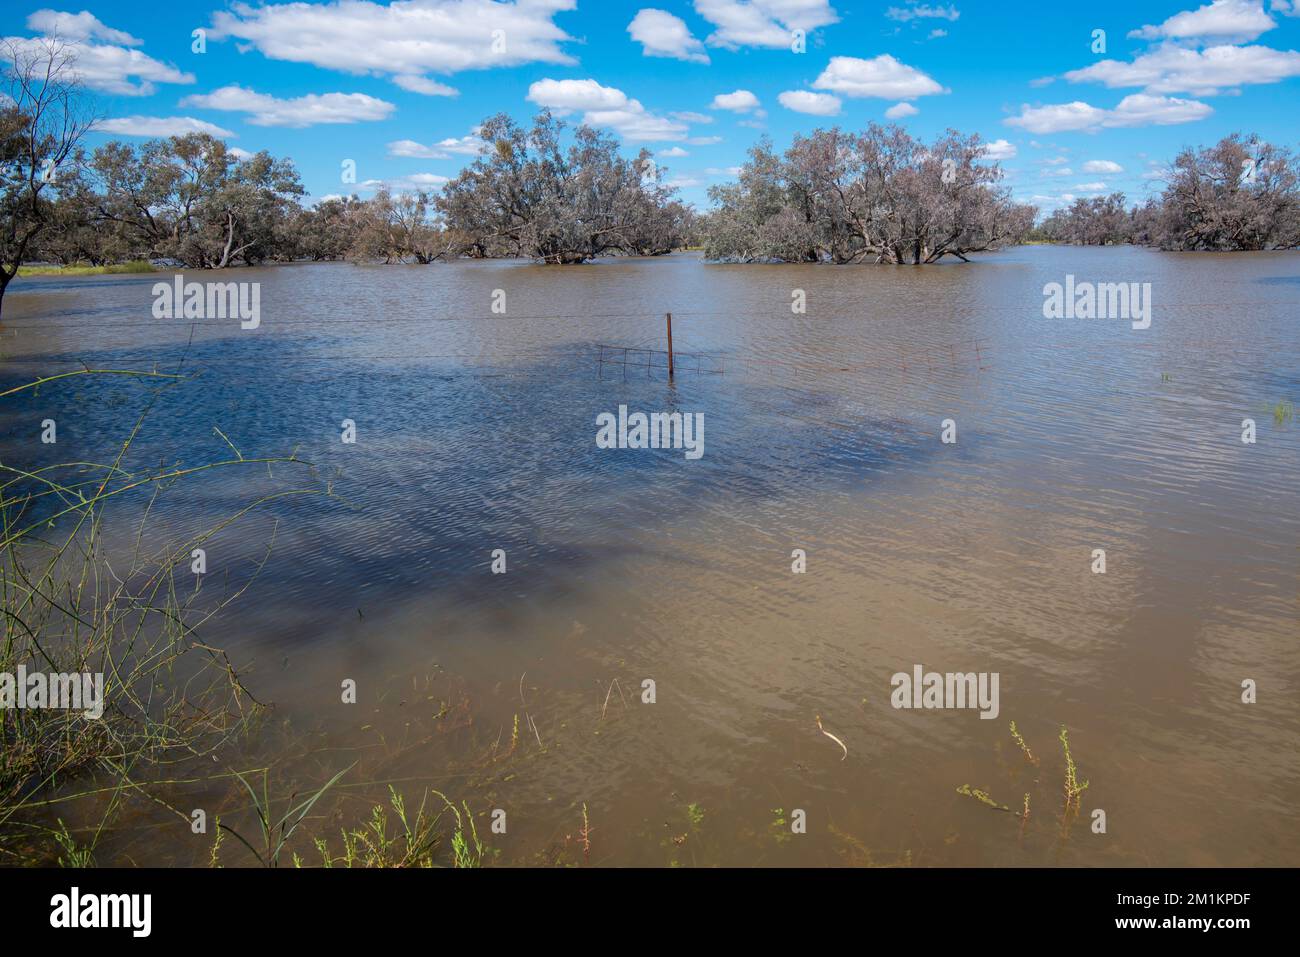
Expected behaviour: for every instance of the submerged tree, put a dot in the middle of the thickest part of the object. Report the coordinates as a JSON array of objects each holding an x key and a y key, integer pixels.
[
  {"x": 190, "y": 198},
  {"x": 528, "y": 194},
  {"x": 845, "y": 197},
  {"x": 1237, "y": 194},
  {"x": 1093, "y": 221}
]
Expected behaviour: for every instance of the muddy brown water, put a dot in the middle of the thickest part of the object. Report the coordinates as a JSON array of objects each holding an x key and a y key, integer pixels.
[{"x": 476, "y": 431}]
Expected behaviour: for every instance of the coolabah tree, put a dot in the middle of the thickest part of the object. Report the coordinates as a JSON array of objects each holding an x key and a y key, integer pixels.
[
  {"x": 1238, "y": 194},
  {"x": 42, "y": 119},
  {"x": 190, "y": 198},
  {"x": 1095, "y": 221},
  {"x": 875, "y": 196},
  {"x": 562, "y": 200}
]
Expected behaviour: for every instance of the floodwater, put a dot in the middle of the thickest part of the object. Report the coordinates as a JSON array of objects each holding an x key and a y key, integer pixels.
[{"x": 475, "y": 431}]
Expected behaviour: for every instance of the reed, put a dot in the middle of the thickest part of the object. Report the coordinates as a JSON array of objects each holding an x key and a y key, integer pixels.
[{"x": 69, "y": 607}]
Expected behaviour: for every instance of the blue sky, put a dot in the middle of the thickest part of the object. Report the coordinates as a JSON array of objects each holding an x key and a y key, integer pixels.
[{"x": 399, "y": 87}]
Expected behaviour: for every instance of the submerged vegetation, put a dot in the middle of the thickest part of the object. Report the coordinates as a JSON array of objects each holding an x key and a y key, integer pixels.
[
  {"x": 1240, "y": 194},
  {"x": 71, "y": 609}
]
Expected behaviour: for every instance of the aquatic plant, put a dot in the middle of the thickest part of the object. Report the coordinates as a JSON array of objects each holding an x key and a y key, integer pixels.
[
  {"x": 276, "y": 833},
  {"x": 1024, "y": 748},
  {"x": 982, "y": 797},
  {"x": 125, "y": 621},
  {"x": 1073, "y": 789}
]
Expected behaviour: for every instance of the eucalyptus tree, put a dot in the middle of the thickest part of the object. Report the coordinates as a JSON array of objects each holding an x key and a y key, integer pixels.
[
  {"x": 559, "y": 199},
  {"x": 1238, "y": 194},
  {"x": 42, "y": 119},
  {"x": 843, "y": 198}
]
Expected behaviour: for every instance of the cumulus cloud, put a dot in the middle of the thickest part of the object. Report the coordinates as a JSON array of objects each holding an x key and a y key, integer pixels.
[
  {"x": 78, "y": 26},
  {"x": 1175, "y": 69},
  {"x": 158, "y": 126},
  {"x": 900, "y": 110},
  {"x": 805, "y": 101},
  {"x": 762, "y": 23},
  {"x": 662, "y": 34},
  {"x": 470, "y": 145},
  {"x": 266, "y": 110},
  {"x": 112, "y": 67},
  {"x": 1137, "y": 109},
  {"x": 882, "y": 77},
  {"x": 999, "y": 150},
  {"x": 606, "y": 106},
  {"x": 422, "y": 84},
  {"x": 673, "y": 152},
  {"x": 415, "y": 183},
  {"x": 1102, "y": 166},
  {"x": 406, "y": 38},
  {"x": 741, "y": 101},
  {"x": 1235, "y": 19}
]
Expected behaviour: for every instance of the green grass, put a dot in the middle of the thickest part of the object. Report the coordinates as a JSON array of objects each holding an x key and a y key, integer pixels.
[
  {"x": 133, "y": 617},
  {"x": 135, "y": 266}
]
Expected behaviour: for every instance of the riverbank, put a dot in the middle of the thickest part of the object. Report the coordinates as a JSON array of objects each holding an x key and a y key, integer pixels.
[{"x": 135, "y": 266}]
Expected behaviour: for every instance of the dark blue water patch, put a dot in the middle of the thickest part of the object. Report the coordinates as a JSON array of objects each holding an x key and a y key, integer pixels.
[{"x": 451, "y": 461}]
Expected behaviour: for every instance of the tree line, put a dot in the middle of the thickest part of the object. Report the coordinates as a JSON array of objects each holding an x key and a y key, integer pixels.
[
  {"x": 879, "y": 196},
  {"x": 1239, "y": 194},
  {"x": 536, "y": 191}
]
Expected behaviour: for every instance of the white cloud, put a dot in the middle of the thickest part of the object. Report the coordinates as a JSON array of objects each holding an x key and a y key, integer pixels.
[
  {"x": 762, "y": 23},
  {"x": 606, "y": 106},
  {"x": 239, "y": 154},
  {"x": 413, "y": 150},
  {"x": 673, "y": 152},
  {"x": 415, "y": 183},
  {"x": 704, "y": 140},
  {"x": 1102, "y": 166},
  {"x": 1175, "y": 69},
  {"x": 883, "y": 77},
  {"x": 804, "y": 101},
  {"x": 405, "y": 38},
  {"x": 999, "y": 150},
  {"x": 936, "y": 33},
  {"x": 422, "y": 84},
  {"x": 159, "y": 126},
  {"x": 267, "y": 110},
  {"x": 1137, "y": 109},
  {"x": 1235, "y": 19},
  {"x": 923, "y": 11},
  {"x": 78, "y": 26},
  {"x": 576, "y": 95},
  {"x": 900, "y": 110},
  {"x": 1090, "y": 187},
  {"x": 662, "y": 34},
  {"x": 690, "y": 116},
  {"x": 110, "y": 69},
  {"x": 741, "y": 101}
]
